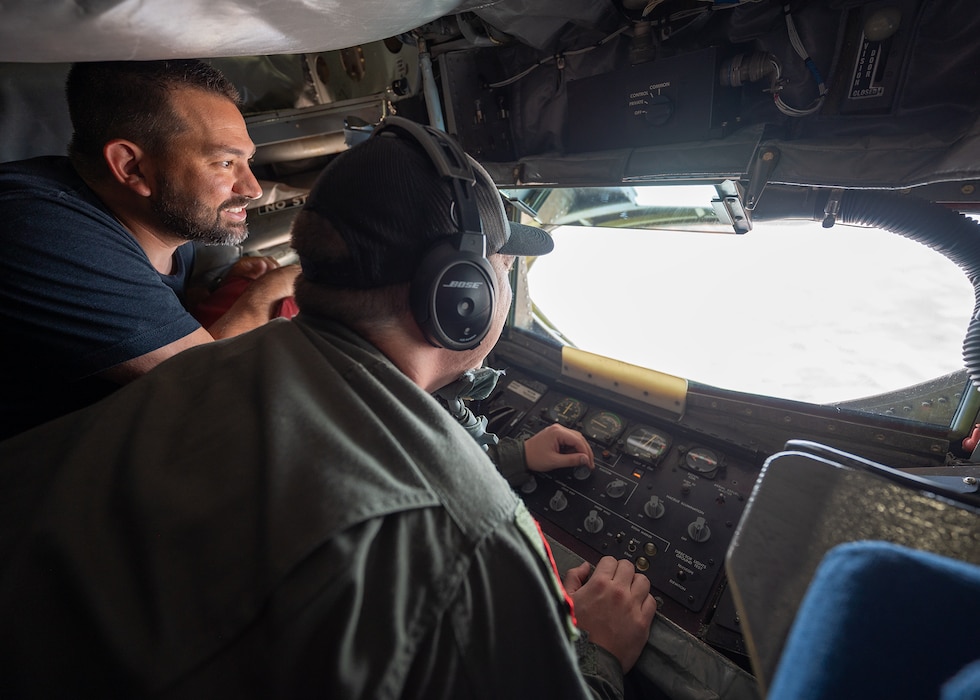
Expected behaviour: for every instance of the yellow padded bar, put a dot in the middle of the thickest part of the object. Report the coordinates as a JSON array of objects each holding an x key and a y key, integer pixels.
[{"x": 646, "y": 385}]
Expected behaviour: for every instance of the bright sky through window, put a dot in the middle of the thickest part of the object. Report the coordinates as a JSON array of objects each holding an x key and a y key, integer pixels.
[{"x": 790, "y": 310}]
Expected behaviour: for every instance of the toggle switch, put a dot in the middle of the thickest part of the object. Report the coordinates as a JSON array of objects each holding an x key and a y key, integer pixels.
[
  {"x": 699, "y": 530},
  {"x": 654, "y": 508},
  {"x": 559, "y": 501},
  {"x": 616, "y": 488}
]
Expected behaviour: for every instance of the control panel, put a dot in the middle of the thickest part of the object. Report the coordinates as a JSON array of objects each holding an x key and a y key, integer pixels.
[
  {"x": 670, "y": 100},
  {"x": 667, "y": 500}
]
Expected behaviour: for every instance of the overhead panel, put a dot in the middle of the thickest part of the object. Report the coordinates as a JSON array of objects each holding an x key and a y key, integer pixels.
[{"x": 669, "y": 100}]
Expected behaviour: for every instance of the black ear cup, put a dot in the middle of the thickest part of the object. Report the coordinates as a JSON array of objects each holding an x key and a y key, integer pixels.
[
  {"x": 453, "y": 296},
  {"x": 453, "y": 292}
]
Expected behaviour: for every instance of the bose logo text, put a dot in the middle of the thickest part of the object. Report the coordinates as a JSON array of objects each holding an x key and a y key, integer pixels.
[{"x": 460, "y": 284}]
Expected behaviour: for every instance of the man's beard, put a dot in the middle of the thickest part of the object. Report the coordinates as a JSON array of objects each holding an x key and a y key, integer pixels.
[{"x": 189, "y": 219}]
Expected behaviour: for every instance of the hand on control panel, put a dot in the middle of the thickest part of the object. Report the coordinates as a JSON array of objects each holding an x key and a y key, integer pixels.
[
  {"x": 557, "y": 447},
  {"x": 613, "y": 604}
]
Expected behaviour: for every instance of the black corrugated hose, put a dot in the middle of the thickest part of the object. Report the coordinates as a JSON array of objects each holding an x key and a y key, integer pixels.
[{"x": 951, "y": 233}]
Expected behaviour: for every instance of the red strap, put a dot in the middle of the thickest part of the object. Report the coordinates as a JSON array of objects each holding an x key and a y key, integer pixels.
[{"x": 554, "y": 568}]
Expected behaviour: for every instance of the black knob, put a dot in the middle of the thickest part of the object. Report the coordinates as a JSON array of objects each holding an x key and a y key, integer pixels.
[{"x": 659, "y": 110}]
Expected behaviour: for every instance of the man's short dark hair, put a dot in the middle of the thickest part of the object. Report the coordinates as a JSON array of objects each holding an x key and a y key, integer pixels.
[{"x": 131, "y": 100}]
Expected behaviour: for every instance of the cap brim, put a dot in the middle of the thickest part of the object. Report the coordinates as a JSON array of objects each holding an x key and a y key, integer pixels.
[{"x": 527, "y": 241}]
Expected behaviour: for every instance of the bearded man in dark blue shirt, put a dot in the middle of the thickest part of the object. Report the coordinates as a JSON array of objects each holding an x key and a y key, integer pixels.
[{"x": 97, "y": 245}]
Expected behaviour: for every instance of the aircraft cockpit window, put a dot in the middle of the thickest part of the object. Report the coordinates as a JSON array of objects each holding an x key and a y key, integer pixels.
[{"x": 855, "y": 317}]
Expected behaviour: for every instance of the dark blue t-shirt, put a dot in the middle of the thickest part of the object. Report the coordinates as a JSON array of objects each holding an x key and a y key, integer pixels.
[{"x": 77, "y": 294}]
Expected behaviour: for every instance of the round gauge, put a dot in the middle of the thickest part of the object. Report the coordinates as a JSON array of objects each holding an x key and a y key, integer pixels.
[
  {"x": 702, "y": 461},
  {"x": 646, "y": 444},
  {"x": 603, "y": 426},
  {"x": 568, "y": 411}
]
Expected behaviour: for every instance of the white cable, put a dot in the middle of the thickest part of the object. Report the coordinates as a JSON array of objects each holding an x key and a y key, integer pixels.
[
  {"x": 548, "y": 59},
  {"x": 797, "y": 43}
]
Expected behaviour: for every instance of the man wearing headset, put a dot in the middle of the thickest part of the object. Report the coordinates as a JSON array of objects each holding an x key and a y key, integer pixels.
[{"x": 325, "y": 529}]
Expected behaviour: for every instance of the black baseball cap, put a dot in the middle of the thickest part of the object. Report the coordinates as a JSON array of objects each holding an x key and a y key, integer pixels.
[{"x": 390, "y": 205}]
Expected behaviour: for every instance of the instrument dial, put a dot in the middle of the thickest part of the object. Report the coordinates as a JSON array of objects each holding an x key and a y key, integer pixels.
[
  {"x": 702, "y": 461},
  {"x": 646, "y": 444},
  {"x": 567, "y": 412},
  {"x": 603, "y": 426}
]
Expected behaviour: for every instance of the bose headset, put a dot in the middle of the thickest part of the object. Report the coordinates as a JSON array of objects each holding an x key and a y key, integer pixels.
[{"x": 452, "y": 293}]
